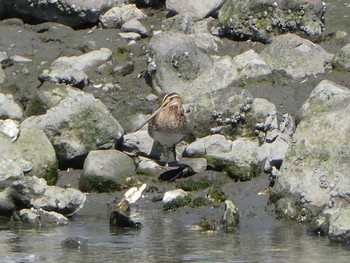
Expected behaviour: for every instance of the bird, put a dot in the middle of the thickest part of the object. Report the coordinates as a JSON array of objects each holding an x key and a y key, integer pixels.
[{"x": 167, "y": 125}]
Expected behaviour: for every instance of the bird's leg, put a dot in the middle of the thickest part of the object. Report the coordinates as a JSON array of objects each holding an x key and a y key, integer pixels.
[
  {"x": 173, "y": 149},
  {"x": 166, "y": 155}
]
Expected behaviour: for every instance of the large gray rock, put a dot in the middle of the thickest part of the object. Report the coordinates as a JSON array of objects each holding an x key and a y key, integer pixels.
[
  {"x": 9, "y": 172},
  {"x": 74, "y": 13},
  {"x": 9, "y": 108},
  {"x": 33, "y": 192},
  {"x": 2, "y": 76},
  {"x": 32, "y": 152},
  {"x": 314, "y": 173},
  {"x": 176, "y": 60},
  {"x": 77, "y": 125},
  {"x": 261, "y": 20},
  {"x": 39, "y": 217},
  {"x": 195, "y": 9},
  {"x": 341, "y": 60},
  {"x": 339, "y": 226},
  {"x": 183, "y": 63},
  {"x": 106, "y": 170},
  {"x": 118, "y": 15},
  {"x": 327, "y": 96},
  {"x": 72, "y": 70},
  {"x": 296, "y": 56}
]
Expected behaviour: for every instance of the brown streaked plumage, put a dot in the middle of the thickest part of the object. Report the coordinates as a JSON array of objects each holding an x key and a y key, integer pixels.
[{"x": 167, "y": 125}]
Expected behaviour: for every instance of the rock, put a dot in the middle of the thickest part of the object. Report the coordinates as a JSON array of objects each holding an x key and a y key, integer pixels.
[
  {"x": 296, "y": 56},
  {"x": 130, "y": 35},
  {"x": 48, "y": 96},
  {"x": 33, "y": 192},
  {"x": 196, "y": 9},
  {"x": 148, "y": 166},
  {"x": 134, "y": 193},
  {"x": 327, "y": 96},
  {"x": 176, "y": 60},
  {"x": 118, "y": 15},
  {"x": 261, "y": 21},
  {"x": 77, "y": 125},
  {"x": 71, "y": 70},
  {"x": 274, "y": 153},
  {"x": 241, "y": 163},
  {"x": 184, "y": 24},
  {"x": 124, "y": 69},
  {"x": 134, "y": 25},
  {"x": 9, "y": 172},
  {"x": 9, "y": 108},
  {"x": 74, "y": 243},
  {"x": 75, "y": 13},
  {"x": 106, "y": 170},
  {"x": 341, "y": 60},
  {"x": 208, "y": 145},
  {"x": 2, "y": 76},
  {"x": 140, "y": 143},
  {"x": 39, "y": 217},
  {"x": 231, "y": 215},
  {"x": 198, "y": 165},
  {"x": 223, "y": 112},
  {"x": 251, "y": 65},
  {"x": 262, "y": 108},
  {"x": 339, "y": 226},
  {"x": 174, "y": 194},
  {"x": 314, "y": 172},
  {"x": 10, "y": 128},
  {"x": 32, "y": 152},
  {"x": 120, "y": 220}
]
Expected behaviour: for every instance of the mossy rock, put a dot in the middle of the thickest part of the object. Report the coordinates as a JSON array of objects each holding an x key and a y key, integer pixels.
[
  {"x": 242, "y": 173},
  {"x": 216, "y": 194},
  {"x": 177, "y": 203},
  {"x": 51, "y": 176},
  {"x": 200, "y": 201},
  {"x": 192, "y": 185}
]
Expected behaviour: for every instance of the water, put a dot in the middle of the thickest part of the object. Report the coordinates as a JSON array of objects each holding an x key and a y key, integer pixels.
[{"x": 166, "y": 238}]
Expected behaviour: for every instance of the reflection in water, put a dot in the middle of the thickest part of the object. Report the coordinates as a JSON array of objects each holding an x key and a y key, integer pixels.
[{"x": 167, "y": 238}]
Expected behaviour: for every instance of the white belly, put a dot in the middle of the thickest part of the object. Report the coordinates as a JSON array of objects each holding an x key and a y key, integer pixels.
[{"x": 167, "y": 139}]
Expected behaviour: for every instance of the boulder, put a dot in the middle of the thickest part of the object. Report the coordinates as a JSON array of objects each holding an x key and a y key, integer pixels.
[
  {"x": 39, "y": 217},
  {"x": 211, "y": 145},
  {"x": 176, "y": 60},
  {"x": 261, "y": 21},
  {"x": 231, "y": 215},
  {"x": 171, "y": 195},
  {"x": 140, "y": 143},
  {"x": 9, "y": 172},
  {"x": 106, "y": 170},
  {"x": 118, "y": 15},
  {"x": 134, "y": 25},
  {"x": 2, "y": 76},
  {"x": 32, "y": 152},
  {"x": 195, "y": 9},
  {"x": 341, "y": 60},
  {"x": 10, "y": 128},
  {"x": 327, "y": 96},
  {"x": 9, "y": 108},
  {"x": 262, "y": 108},
  {"x": 296, "y": 56},
  {"x": 339, "y": 226},
  {"x": 74, "y": 13},
  {"x": 314, "y": 172},
  {"x": 77, "y": 125},
  {"x": 72, "y": 70},
  {"x": 33, "y": 192}
]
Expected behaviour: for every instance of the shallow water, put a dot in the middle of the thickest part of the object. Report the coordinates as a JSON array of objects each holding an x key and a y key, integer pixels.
[{"x": 165, "y": 238}]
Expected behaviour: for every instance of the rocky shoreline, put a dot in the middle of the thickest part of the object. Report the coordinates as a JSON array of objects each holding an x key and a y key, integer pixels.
[{"x": 266, "y": 93}]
